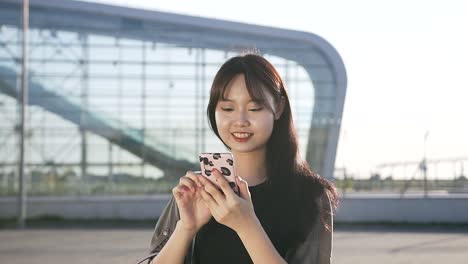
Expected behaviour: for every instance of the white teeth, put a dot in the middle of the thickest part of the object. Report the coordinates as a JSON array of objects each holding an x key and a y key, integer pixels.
[{"x": 242, "y": 135}]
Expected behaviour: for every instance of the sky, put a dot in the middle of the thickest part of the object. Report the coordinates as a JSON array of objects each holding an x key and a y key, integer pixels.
[{"x": 406, "y": 61}]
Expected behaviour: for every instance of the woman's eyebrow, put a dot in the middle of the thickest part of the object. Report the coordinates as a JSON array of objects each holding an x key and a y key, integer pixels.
[{"x": 253, "y": 100}]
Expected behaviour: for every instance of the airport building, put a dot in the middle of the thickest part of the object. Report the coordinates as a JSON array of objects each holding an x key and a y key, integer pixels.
[{"x": 118, "y": 92}]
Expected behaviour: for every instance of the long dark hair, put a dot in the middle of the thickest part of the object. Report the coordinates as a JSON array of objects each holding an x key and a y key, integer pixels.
[{"x": 289, "y": 175}]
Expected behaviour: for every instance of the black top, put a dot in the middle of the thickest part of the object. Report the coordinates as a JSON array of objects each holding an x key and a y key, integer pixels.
[{"x": 217, "y": 243}]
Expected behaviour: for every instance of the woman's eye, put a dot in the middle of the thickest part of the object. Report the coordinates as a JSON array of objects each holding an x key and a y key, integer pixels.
[
  {"x": 256, "y": 109},
  {"x": 227, "y": 109}
]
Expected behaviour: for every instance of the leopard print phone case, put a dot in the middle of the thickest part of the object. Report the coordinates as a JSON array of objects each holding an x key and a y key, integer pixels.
[{"x": 224, "y": 163}]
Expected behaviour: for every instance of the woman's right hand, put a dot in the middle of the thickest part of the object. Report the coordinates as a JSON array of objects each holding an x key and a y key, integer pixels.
[{"x": 193, "y": 212}]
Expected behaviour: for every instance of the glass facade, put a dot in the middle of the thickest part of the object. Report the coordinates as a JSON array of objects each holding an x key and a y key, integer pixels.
[{"x": 109, "y": 113}]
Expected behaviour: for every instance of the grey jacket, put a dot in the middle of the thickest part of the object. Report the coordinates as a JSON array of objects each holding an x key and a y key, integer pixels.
[{"x": 316, "y": 249}]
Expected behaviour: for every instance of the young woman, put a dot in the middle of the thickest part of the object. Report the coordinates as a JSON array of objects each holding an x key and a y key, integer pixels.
[{"x": 284, "y": 213}]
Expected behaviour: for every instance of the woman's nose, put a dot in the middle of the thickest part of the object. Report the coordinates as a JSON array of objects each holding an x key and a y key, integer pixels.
[{"x": 242, "y": 118}]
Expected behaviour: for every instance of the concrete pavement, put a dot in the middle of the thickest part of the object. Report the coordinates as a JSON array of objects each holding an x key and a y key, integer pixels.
[{"x": 351, "y": 245}]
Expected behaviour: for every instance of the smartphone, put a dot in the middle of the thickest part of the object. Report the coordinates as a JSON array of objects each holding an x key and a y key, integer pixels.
[{"x": 224, "y": 163}]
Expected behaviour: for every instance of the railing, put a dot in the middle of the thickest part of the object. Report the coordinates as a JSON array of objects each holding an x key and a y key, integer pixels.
[{"x": 433, "y": 177}]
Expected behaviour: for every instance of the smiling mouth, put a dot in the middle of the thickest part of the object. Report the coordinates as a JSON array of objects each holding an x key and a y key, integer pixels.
[{"x": 241, "y": 135}]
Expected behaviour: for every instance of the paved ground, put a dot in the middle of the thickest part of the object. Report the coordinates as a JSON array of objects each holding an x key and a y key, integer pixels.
[{"x": 352, "y": 245}]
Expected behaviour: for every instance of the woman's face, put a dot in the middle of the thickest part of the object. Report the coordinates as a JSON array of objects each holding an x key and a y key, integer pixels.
[{"x": 244, "y": 125}]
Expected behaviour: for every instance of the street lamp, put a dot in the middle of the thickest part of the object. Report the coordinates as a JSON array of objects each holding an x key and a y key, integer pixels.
[
  {"x": 423, "y": 165},
  {"x": 24, "y": 103}
]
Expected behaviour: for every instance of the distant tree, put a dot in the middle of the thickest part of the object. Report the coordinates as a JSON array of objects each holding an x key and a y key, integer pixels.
[
  {"x": 67, "y": 174},
  {"x": 349, "y": 182},
  {"x": 375, "y": 177}
]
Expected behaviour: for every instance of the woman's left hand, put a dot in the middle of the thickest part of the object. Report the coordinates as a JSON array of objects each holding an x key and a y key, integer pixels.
[{"x": 226, "y": 206}]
